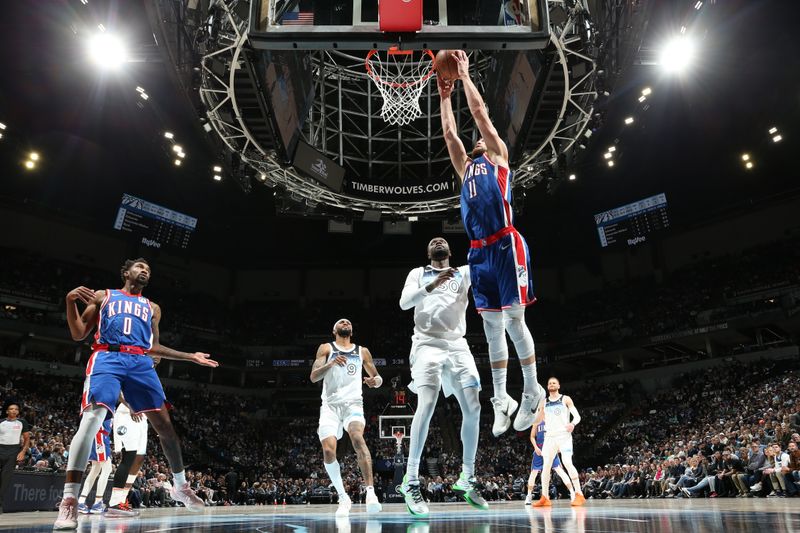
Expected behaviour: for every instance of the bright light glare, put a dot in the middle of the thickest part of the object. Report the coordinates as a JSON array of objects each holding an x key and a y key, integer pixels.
[
  {"x": 773, "y": 130},
  {"x": 607, "y": 155},
  {"x": 642, "y": 98},
  {"x": 677, "y": 55},
  {"x": 745, "y": 157},
  {"x": 777, "y": 139},
  {"x": 611, "y": 163},
  {"x": 168, "y": 134},
  {"x": 646, "y": 91},
  {"x": 629, "y": 120},
  {"x": 177, "y": 162},
  {"x": 177, "y": 148},
  {"x": 262, "y": 177},
  {"x": 29, "y": 164},
  {"x": 572, "y": 177},
  {"x": 33, "y": 156},
  {"x": 749, "y": 164},
  {"x": 217, "y": 168},
  {"x": 217, "y": 177},
  {"x": 107, "y": 51},
  {"x": 2, "y": 126}
]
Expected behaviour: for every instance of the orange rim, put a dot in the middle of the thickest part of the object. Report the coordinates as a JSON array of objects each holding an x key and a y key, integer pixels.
[{"x": 396, "y": 51}]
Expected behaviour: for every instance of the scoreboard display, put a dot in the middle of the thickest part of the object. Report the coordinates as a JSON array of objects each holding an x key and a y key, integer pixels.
[
  {"x": 157, "y": 225},
  {"x": 632, "y": 223}
]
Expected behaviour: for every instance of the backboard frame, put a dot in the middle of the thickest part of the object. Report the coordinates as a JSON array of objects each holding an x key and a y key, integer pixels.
[{"x": 367, "y": 36}]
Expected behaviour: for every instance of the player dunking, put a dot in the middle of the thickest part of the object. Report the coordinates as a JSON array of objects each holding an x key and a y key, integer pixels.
[
  {"x": 498, "y": 257},
  {"x": 100, "y": 458},
  {"x": 440, "y": 358},
  {"x": 127, "y": 332},
  {"x": 555, "y": 410},
  {"x": 537, "y": 439},
  {"x": 339, "y": 364}
]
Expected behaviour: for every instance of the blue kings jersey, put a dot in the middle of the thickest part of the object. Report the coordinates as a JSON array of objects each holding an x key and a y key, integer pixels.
[
  {"x": 486, "y": 198},
  {"x": 540, "y": 435},
  {"x": 125, "y": 319}
]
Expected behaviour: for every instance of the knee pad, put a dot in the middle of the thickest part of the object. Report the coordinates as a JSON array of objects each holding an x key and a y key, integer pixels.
[
  {"x": 514, "y": 322},
  {"x": 495, "y": 336}
]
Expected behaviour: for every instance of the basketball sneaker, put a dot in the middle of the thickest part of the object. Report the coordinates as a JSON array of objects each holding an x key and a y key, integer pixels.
[
  {"x": 121, "y": 510},
  {"x": 544, "y": 501},
  {"x": 97, "y": 508},
  {"x": 578, "y": 500},
  {"x": 503, "y": 409},
  {"x": 414, "y": 501},
  {"x": 344, "y": 505},
  {"x": 83, "y": 508},
  {"x": 187, "y": 497},
  {"x": 465, "y": 487},
  {"x": 528, "y": 499},
  {"x": 67, "y": 514},
  {"x": 527, "y": 409},
  {"x": 373, "y": 505}
]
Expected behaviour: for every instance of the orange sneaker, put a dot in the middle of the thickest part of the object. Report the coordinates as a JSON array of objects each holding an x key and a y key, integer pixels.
[
  {"x": 544, "y": 501},
  {"x": 578, "y": 500}
]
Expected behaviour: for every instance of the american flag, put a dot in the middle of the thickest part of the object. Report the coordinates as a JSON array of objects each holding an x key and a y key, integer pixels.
[{"x": 298, "y": 18}]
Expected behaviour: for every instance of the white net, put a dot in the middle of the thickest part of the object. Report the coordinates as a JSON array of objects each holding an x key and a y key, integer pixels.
[{"x": 400, "y": 76}]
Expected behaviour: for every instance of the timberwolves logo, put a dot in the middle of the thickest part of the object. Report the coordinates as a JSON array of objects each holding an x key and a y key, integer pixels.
[
  {"x": 122, "y": 430},
  {"x": 557, "y": 411},
  {"x": 522, "y": 276},
  {"x": 351, "y": 369}
]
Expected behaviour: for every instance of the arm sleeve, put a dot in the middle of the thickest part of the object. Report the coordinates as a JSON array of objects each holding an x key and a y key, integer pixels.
[
  {"x": 575, "y": 416},
  {"x": 412, "y": 294},
  {"x": 465, "y": 274}
]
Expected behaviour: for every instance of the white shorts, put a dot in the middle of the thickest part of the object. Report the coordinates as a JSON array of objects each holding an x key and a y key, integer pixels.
[
  {"x": 442, "y": 363},
  {"x": 129, "y": 435},
  {"x": 557, "y": 443},
  {"x": 333, "y": 419}
]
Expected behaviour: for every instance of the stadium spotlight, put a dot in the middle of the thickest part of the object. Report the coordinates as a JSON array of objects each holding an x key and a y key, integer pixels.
[
  {"x": 181, "y": 154},
  {"x": 612, "y": 149},
  {"x": 177, "y": 162},
  {"x": 1, "y": 135},
  {"x": 698, "y": 5},
  {"x": 629, "y": 121},
  {"x": 611, "y": 163},
  {"x": 169, "y": 134},
  {"x": 177, "y": 148},
  {"x": 2, "y": 126},
  {"x": 139, "y": 89},
  {"x": 107, "y": 51},
  {"x": 217, "y": 177},
  {"x": 217, "y": 169},
  {"x": 745, "y": 157},
  {"x": 773, "y": 130},
  {"x": 677, "y": 55},
  {"x": 607, "y": 155},
  {"x": 262, "y": 177},
  {"x": 749, "y": 165},
  {"x": 30, "y": 164},
  {"x": 572, "y": 177},
  {"x": 646, "y": 91},
  {"x": 33, "y": 156},
  {"x": 144, "y": 96},
  {"x": 777, "y": 139},
  {"x": 642, "y": 98}
]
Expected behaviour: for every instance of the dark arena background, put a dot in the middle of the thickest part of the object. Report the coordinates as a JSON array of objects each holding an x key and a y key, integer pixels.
[{"x": 242, "y": 148}]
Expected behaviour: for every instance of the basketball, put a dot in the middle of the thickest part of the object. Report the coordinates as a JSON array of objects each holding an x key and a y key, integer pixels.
[{"x": 445, "y": 65}]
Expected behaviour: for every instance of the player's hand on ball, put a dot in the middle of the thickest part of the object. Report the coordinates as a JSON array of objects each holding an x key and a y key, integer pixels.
[
  {"x": 204, "y": 359},
  {"x": 570, "y": 427},
  {"x": 445, "y": 87},
  {"x": 461, "y": 59},
  {"x": 81, "y": 293},
  {"x": 340, "y": 360}
]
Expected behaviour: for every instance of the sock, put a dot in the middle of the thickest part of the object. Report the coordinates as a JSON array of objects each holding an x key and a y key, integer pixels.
[
  {"x": 71, "y": 489},
  {"x": 117, "y": 496},
  {"x": 370, "y": 488},
  {"x": 336, "y": 477},
  {"x": 412, "y": 470},
  {"x": 499, "y": 382},
  {"x": 180, "y": 478},
  {"x": 528, "y": 378},
  {"x": 468, "y": 470},
  {"x": 97, "y": 500},
  {"x": 82, "y": 499}
]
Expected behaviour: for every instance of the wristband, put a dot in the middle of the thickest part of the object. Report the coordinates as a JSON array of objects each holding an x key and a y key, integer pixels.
[{"x": 379, "y": 381}]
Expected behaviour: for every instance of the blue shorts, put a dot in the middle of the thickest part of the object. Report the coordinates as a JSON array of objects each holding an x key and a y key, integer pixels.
[
  {"x": 538, "y": 462},
  {"x": 101, "y": 447},
  {"x": 501, "y": 274},
  {"x": 108, "y": 373}
]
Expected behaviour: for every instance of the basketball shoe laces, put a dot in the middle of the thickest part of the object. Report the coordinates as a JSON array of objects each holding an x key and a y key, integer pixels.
[{"x": 416, "y": 494}]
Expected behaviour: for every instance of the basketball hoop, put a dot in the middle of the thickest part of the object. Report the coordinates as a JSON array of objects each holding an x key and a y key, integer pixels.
[
  {"x": 400, "y": 76},
  {"x": 398, "y": 436}
]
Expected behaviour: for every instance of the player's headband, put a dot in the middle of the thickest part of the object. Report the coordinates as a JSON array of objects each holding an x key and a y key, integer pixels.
[{"x": 334, "y": 324}]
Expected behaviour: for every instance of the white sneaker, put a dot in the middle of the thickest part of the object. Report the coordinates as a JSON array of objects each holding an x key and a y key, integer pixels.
[
  {"x": 415, "y": 503},
  {"x": 503, "y": 409},
  {"x": 373, "y": 505},
  {"x": 344, "y": 505},
  {"x": 187, "y": 497},
  {"x": 527, "y": 409},
  {"x": 528, "y": 499},
  {"x": 67, "y": 514},
  {"x": 757, "y": 487}
]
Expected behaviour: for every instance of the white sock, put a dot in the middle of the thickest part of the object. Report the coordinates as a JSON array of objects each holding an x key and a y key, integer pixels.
[
  {"x": 499, "y": 382},
  {"x": 71, "y": 489},
  {"x": 97, "y": 500},
  {"x": 412, "y": 469},
  {"x": 117, "y": 496},
  {"x": 528, "y": 378},
  {"x": 468, "y": 470},
  {"x": 82, "y": 499},
  {"x": 180, "y": 478},
  {"x": 335, "y": 473},
  {"x": 370, "y": 488}
]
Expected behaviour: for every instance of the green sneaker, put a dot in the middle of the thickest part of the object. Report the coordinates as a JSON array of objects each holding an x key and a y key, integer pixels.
[
  {"x": 414, "y": 501},
  {"x": 465, "y": 487}
]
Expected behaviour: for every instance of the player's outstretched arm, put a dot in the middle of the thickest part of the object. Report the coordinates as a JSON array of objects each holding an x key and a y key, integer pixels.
[
  {"x": 458, "y": 155},
  {"x": 320, "y": 367},
  {"x": 81, "y": 324},
  {"x": 374, "y": 380},
  {"x": 158, "y": 349},
  {"x": 477, "y": 107}
]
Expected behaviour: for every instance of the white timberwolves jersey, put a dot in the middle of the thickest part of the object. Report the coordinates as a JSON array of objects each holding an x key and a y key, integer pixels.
[
  {"x": 442, "y": 313},
  {"x": 556, "y": 417},
  {"x": 343, "y": 383}
]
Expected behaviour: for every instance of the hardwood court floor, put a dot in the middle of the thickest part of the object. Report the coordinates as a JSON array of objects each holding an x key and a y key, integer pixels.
[{"x": 656, "y": 516}]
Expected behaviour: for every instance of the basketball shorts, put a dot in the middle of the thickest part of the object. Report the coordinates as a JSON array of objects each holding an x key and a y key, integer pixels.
[
  {"x": 129, "y": 435},
  {"x": 538, "y": 462},
  {"x": 109, "y": 372},
  {"x": 442, "y": 363},
  {"x": 557, "y": 443},
  {"x": 101, "y": 447},
  {"x": 335, "y": 418},
  {"x": 501, "y": 274}
]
